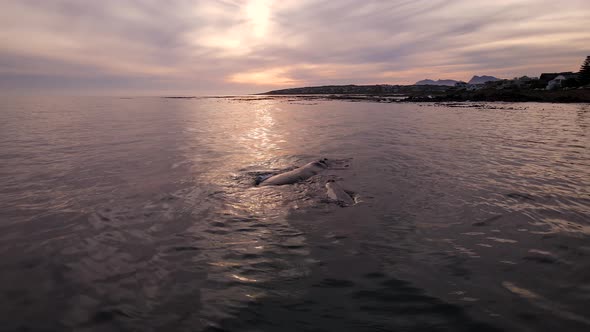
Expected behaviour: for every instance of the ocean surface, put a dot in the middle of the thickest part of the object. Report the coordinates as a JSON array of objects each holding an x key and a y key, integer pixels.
[{"x": 143, "y": 214}]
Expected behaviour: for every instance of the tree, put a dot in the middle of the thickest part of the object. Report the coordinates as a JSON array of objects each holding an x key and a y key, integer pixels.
[{"x": 584, "y": 74}]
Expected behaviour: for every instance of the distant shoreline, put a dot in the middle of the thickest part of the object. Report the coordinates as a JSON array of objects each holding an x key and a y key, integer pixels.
[{"x": 433, "y": 93}]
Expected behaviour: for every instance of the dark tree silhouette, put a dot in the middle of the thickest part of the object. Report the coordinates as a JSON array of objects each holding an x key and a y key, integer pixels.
[{"x": 584, "y": 75}]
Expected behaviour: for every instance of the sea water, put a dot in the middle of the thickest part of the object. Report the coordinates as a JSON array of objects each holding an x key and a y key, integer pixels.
[{"x": 144, "y": 214}]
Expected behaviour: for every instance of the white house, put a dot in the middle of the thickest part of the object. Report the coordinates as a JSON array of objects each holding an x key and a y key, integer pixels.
[
  {"x": 473, "y": 87},
  {"x": 556, "y": 82}
]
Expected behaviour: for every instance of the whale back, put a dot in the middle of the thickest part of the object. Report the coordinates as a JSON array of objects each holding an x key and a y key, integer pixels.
[{"x": 299, "y": 174}]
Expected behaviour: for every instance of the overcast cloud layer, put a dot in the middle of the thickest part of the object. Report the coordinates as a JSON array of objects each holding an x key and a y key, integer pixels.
[{"x": 231, "y": 46}]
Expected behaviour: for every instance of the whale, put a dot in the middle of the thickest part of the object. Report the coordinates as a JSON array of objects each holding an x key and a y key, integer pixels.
[
  {"x": 299, "y": 174},
  {"x": 336, "y": 193}
]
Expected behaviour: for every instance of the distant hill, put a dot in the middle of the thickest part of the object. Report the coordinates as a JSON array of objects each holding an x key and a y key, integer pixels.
[
  {"x": 336, "y": 89},
  {"x": 438, "y": 82},
  {"x": 482, "y": 79},
  {"x": 375, "y": 89}
]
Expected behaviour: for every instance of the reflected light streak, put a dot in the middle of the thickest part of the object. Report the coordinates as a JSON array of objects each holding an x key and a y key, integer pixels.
[
  {"x": 262, "y": 139},
  {"x": 244, "y": 279}
]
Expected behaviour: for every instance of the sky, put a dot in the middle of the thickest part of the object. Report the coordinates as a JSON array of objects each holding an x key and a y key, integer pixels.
[{"x": 205, "y": 47}]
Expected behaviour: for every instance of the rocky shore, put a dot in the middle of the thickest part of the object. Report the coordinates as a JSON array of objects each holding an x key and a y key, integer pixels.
[
  {"x": 490, "y": 95},
  {"x": 434, "y": 93}
]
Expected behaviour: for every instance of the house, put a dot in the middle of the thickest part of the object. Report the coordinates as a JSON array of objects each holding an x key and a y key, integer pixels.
[
  {"x": 524, "y": 79},
  {"x": 507, "y": 84},
  {"x": 546, "y": 77},
  {"x": 495, "y": 84},
  {"x": 557, "y": 81},
  {"x": 474, "y": 87},
  {"x": 523, "y": 82}
]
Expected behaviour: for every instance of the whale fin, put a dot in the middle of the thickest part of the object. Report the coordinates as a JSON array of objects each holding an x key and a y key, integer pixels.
[{"x": 335, "y": 192}]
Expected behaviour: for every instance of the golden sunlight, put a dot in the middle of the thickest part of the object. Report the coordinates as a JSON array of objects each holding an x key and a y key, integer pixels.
[
  {"x": 275, "y": 76},
  {"x": 253, "y": 25},
  {"x": 258, "y": 13}
]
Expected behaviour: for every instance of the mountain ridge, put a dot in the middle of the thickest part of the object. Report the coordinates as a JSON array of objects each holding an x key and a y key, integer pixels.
[{"x": 482, "y": 79}]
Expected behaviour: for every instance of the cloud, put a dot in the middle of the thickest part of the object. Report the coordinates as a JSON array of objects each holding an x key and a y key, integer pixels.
[{"x": 234, "y": 46}]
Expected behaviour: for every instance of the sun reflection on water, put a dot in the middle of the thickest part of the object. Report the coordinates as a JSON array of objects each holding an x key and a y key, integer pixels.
[
  {"x": 262, "y": 140},
  {"x": 249, "y": 241}
]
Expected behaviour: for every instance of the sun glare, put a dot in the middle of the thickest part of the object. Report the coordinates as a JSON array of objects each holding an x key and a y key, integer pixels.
[
  {"x": 258, "y": 13},
  {"x": 275, "y": 76},
  {"x": 252, "y": 26}
]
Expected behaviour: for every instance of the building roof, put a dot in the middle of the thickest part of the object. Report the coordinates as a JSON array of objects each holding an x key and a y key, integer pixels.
[{"x": 551, "y": 76}]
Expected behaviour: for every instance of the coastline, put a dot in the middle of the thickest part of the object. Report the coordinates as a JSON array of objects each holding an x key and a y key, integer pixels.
[
  {"x": 423, "y": 93},
  {"x": 492, "y": 95}
]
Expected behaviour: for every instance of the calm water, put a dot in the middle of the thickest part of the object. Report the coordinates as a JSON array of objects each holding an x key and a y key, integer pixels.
[{"x": 142, "y": 214}]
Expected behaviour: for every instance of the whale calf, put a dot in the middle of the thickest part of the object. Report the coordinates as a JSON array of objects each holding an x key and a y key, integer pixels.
[
  {"x": 336, "y": 193},
  {"x": 299, "y": 174}
]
